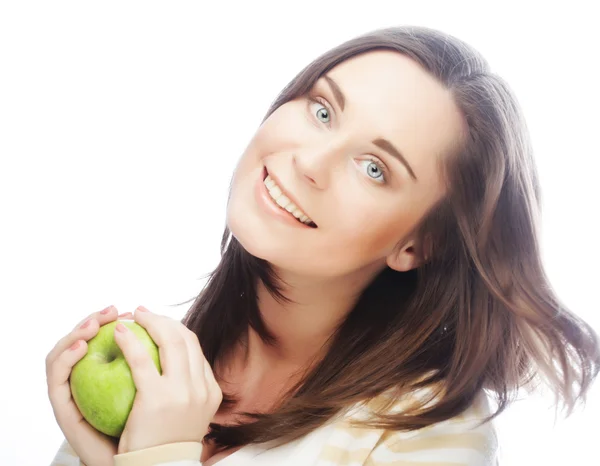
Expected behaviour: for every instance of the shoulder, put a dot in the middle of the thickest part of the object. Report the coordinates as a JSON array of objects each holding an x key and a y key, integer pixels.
[{"x": 460, "y": 441}]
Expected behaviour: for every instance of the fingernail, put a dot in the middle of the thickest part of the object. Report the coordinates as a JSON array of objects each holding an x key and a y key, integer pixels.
[
  {"x": 75, "y": 345},
  {"x": 126, "y": 315},
  {"x": 85, "y": 324},
  {"x": 142, "y": 309},
  {"x": 107, "y": 310},
  {"x": 121, "y": 328}
]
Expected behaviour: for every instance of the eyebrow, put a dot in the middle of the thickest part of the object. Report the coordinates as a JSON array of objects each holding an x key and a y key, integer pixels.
[{"x": 382, "y": 143}]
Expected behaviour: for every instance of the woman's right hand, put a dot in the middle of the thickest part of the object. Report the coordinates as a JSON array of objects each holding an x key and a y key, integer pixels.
[{"x": 93, "y": 447}]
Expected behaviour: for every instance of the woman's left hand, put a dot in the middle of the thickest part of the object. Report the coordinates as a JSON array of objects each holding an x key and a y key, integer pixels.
[{"x": 178, "y": 405}]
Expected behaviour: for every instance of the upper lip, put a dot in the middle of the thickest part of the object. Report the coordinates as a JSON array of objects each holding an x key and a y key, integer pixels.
[{"x": 288, "y": 195}]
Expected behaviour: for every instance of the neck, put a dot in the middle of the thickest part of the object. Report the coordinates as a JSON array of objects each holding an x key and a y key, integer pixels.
[{"x": 302, "y": 326}]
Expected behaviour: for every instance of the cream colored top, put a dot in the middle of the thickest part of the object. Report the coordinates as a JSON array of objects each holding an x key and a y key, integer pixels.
[{"x": 456, "y": 442}]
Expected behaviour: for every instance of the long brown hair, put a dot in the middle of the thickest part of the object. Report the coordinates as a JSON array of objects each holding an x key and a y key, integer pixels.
[{"x": 480, "y": 312}]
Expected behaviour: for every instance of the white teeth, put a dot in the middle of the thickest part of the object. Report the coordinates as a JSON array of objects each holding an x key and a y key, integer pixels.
[
  {"x": 284, "y": 202},
  {"x": 275, "y": 192}
]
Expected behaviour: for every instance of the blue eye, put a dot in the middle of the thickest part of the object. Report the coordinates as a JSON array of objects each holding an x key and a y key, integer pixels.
[
  {"x": 323, "y": 114},
  {"x": 375, "y": 169}
]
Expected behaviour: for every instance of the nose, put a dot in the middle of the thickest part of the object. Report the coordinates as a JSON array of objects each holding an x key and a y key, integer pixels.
[
  {"x": 306, "y": 173},
  {"x": 316, "y": 166}
]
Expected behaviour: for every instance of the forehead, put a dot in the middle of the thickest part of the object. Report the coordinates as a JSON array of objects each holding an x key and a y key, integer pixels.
[{"x": 391, "y": 96}]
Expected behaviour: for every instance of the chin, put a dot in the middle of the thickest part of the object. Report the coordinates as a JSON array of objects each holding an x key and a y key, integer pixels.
[
  {"x": 256, "y": 244},
  {"x": 245, "y": 230},
  {"x": 263, "y": 246},
  {"x": 283, "y": 257}
]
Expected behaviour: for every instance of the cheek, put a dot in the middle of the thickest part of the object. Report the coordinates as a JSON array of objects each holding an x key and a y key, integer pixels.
[
  {"x": 370, "y": 235},
  {"x": 365, "y": 229},
  {"x": 285, "y": 128}
]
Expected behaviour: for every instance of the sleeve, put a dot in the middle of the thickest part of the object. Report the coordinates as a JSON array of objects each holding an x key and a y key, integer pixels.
[
  {"x": 459, "y": 441},
  {"x": 173, "y": 454},
  {"x": 66, "y": 456}
]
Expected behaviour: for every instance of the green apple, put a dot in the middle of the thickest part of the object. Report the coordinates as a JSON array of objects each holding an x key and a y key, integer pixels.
[{"x": 101, "y": 382}]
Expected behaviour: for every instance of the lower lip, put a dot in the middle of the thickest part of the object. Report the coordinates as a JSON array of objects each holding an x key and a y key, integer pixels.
[{"x": 264, "y": 199}]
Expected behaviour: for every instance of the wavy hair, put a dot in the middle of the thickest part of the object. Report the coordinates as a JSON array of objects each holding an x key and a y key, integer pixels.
[{"x": 479, "y": 313}]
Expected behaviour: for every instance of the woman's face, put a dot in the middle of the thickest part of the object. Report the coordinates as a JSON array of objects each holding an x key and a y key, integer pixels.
[{"x": 358, "y": 156}]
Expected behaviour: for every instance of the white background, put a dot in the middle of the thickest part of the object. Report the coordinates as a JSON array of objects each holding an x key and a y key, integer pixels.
[{"x": 121, "y": 124}]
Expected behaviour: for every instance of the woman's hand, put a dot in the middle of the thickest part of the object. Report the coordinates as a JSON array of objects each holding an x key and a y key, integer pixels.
[
  {"x": 93, "y": 447},
  {"x": 176, "y": 406}
]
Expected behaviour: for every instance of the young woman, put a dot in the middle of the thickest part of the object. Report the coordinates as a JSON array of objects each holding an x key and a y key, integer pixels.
[{"x": 380, "y": 278}]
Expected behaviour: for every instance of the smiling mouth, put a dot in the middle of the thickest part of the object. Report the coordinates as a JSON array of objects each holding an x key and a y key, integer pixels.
[{"x": 283, "y": 201}]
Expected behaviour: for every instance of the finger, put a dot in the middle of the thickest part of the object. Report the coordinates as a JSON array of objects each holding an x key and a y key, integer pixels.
[
  {"x": 200, "y": 368},
  {"x": 143, "y": 370},
  {"x": 59, "y": 371},
  {"x": 65, "y": 410},
  {"x": 195, "y": 355},
  {"x": 85, "y": 332},
  {"x": 172, "y": 347},
  {"x": 102, "y": 317},
  {"x": 59, "y": 390}
]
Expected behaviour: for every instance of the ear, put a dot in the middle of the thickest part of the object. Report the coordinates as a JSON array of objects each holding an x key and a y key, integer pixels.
[{"x": 407, "y": 256}]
